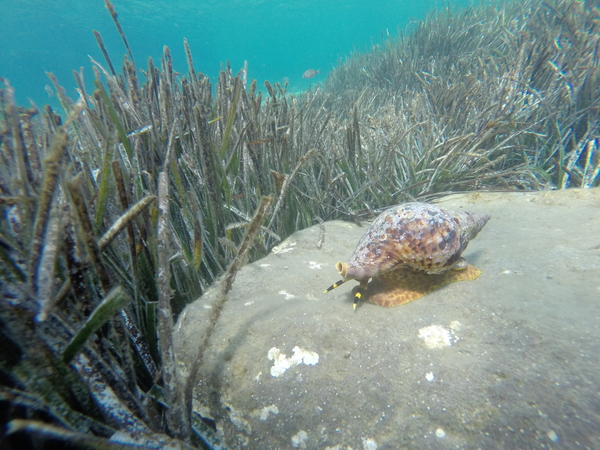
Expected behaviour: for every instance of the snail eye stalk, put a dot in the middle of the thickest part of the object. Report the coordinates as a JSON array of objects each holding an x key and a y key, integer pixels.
[
  {"x": 333, "y": 286},
  {"x": 357, "y": 297},
  {"x": 360, "y": 290}
]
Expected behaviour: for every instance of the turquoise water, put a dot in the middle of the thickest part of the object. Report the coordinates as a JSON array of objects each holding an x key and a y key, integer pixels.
[{"x": 279, "y": 39}]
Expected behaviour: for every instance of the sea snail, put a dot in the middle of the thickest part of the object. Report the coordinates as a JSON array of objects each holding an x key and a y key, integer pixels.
[{"x": 410, "y": 250}]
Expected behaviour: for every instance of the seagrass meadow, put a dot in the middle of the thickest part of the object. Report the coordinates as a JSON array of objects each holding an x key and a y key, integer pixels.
[{"x": 124, "y": 208}]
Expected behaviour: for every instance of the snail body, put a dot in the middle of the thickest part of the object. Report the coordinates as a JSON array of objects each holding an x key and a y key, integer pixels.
[{"x": 412, "y": 241}]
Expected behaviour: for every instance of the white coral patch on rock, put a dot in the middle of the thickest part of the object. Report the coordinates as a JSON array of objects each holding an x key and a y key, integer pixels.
[
  {"x": 285, "y": 247},
  {"x": 369, "y": 444},
  {"x": 299, "y": 439},
  {"x": 281, "y": 362},
  {"x": 264, "y": 413},
  {"x": 286, "y": 294},
  {"x": 436, "y": 336}
]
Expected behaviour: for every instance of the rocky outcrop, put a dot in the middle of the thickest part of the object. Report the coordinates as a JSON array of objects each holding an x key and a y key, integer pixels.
[{"x": 507, "y": 360}]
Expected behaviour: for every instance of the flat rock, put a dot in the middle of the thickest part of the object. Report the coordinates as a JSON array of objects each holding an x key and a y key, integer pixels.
[{"x": 509, "y": 360}]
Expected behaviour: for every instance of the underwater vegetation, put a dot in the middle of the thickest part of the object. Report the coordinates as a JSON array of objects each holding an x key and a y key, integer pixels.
[
  {"x": 124, "y": 209},
  {"x": 493, "y": 97}
]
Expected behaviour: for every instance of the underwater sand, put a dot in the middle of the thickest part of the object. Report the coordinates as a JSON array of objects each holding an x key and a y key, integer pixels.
[{"x": 508, "y": 360}]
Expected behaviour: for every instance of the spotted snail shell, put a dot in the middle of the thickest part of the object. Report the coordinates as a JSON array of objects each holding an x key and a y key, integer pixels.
[{"x": 412, "y": 237}]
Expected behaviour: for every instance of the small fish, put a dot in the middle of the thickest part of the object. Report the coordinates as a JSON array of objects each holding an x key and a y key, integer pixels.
[{"x": 311, "y": 73}]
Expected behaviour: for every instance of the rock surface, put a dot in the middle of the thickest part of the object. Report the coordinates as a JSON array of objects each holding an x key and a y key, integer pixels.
[{"x": 509, "y": 360}]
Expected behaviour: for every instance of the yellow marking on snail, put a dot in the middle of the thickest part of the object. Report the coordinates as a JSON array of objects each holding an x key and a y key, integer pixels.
[
  {"x": 333, "y": 286},
  {"x": 357, "y": 297}
]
